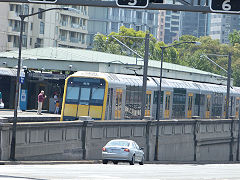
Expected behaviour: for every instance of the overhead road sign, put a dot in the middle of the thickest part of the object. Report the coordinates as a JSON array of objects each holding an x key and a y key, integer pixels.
[
  {"x": 132, "y": 3},
  {"x": 230, "y": 6},
  {"x": 151, "y": 6},
  {"x": 136, "y": 3}
]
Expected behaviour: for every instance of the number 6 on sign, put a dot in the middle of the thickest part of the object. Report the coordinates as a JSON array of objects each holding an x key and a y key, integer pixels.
[{"x": 226, "y": 6}]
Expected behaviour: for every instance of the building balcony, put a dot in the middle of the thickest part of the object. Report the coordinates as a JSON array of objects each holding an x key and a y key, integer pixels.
[
  {"x": 63, "y": 38},
  {"x": 63, "y": 23},
  {"x": 73, "y": 25},
  {"x": 74, "y": 40}
]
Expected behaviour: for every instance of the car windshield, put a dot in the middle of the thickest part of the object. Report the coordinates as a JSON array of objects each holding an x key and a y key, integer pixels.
[{"x": 118, "y": 143}]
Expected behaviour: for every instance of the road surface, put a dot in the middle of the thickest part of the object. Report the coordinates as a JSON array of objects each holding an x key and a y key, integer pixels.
[{"x": 121, "y": 172}]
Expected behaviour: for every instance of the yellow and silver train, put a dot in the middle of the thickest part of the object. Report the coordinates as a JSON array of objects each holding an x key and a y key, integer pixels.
[{"x": 106, "y": 96}]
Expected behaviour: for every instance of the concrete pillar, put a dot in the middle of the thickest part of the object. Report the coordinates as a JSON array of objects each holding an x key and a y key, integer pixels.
[
  {"x": 4, "y": 140},
  {"x": 86, "y": 135}
]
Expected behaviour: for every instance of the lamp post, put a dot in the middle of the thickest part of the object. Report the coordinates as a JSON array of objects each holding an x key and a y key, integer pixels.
[
  {"x": 160, "y": 89},
  {"x": 229, "y": 73},
  {"x": 22, "y": 17}
]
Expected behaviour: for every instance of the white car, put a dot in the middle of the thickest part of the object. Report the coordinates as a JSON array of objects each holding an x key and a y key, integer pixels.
[{"x": 122, "y": 150}]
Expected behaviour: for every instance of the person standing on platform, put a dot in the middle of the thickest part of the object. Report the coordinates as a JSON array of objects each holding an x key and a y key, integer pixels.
[{"x": 41, "y": 98}]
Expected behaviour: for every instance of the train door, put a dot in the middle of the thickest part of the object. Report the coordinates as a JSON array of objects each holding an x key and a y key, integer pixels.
[
  {"x": 91, "y": 102},
  {"x": 167, "y": 105},
  {"x": 118, "y": 106},
  {"x": 237, "y": 108},
  {"x": 190, "y": 105},
  {"x": 148, "y": 103},
  {"x": 208, "y": 106}
]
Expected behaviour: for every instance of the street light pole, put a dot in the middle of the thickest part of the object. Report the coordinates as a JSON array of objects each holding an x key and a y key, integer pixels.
[
  {"x": 14, "y": 127},
  {"x": 158, "y": 107},
  {"x": 160, "y": 93},
  {"x": 145, "y": 69},
  {"x": 228, "y": 84},
  {"x": 229, "y": 72}
]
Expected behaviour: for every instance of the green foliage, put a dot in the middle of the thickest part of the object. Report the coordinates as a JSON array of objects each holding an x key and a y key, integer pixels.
[
  {"x": 234, "y": 37},
  {"x": 186, "y": 54}
]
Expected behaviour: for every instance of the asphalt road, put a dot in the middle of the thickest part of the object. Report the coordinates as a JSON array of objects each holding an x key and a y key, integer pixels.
[{"x": 121, "y": 171}]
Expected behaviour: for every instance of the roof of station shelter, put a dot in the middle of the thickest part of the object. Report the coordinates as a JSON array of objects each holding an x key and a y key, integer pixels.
[{"x": 58, "y": 58}]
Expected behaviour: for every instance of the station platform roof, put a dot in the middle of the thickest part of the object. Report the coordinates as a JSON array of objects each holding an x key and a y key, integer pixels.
[{"x": 67, "y": 59}]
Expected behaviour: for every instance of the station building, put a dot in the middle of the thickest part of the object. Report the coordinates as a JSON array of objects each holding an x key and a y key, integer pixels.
[{"x": 47, "y": 68}]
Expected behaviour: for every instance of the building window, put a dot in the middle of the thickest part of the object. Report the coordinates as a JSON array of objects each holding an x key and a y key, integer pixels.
[
  {"x": 38, "y": 43},
  {"x": 138, "y": 28},
  {"x": 31, "y": 26},
  {"x": 32, "y": 10},
  {"x": 139, "y": 15},
  {"x": 40, "y": 16},
  {"x": 41, "y": 28},
  {"x": 9, "y": 38},
  {"x": 11, "y": 7},
  {"x": 10, "y": 22},
  {"x": 18, "y": 9},
  {"x": 150, "y": 16},
  {"x": 30, "y": 41},
  {"x": 24, "y": 41},
  {"x": 114, "y": 27}
]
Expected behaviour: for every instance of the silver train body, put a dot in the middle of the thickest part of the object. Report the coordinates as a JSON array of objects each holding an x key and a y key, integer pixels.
[{"x": 179, "y": 100}]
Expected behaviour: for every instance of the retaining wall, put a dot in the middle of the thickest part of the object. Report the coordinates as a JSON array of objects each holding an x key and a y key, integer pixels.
[{"x": 179, "y": 141}]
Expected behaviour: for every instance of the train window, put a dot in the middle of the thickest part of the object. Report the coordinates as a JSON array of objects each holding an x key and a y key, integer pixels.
[
  {"x": 208, "y": 102},
  {"x": 155, "y": 97},
  {"x": 167, "y": 104},
  {"x": 85, "y": 94},
  {"x": 98, "y": 93},
  {"x": 190, "y": 102},
  {"x": 217, "y": 104},
  {"x": 179, "y": 99},
  {"x": 118, "y": 107},
  {"x": 148, "y": 102},
  {"x": 199, "y": 99},
  {"x": 133, "y": 102},
  {"x": 72, "y": 94}
]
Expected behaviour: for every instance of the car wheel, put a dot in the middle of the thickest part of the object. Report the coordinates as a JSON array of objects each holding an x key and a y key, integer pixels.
[
  {"x": 142, "y": 161},
  {"x": 115, "y": 162},
  {"x": 104, "y": 161},
  {"x": 132, "y": 161}
]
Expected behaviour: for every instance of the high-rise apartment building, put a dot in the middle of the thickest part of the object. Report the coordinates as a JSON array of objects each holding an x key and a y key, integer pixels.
[
  {"x": 222, "y": 25},
  {"x": 55, "y": 28},
  {"x": 172, "y": 25},
  {"x": 107, "y": 20},
  {"x": 194, "y": 23}
]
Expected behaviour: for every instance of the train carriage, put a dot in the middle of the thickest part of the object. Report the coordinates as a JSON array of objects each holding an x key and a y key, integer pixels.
[{"x": 107, "y": 96}]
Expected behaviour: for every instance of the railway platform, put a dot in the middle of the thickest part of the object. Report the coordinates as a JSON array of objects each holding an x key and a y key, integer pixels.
[{"x": 7, "y": 115}]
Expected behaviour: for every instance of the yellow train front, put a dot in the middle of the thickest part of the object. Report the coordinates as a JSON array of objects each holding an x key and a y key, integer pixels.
[
  {"x": 84, "y": 95},
  {"x": 105, "y": 96}
]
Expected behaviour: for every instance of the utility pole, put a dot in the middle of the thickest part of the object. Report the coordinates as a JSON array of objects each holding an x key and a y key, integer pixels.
[
  {"x": 228, "y": 84},
  {"x": 145, "y": 69}
]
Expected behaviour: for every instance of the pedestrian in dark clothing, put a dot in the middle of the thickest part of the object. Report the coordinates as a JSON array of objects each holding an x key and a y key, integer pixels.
[{"x": 41, "y": 98}]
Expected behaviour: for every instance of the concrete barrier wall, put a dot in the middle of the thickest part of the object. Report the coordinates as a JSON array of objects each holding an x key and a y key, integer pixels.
[{"x": 179, "y": 141}]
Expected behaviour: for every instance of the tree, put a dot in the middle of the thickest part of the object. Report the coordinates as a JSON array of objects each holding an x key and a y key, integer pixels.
[
  {"x": 184, "y": 54},
  {"x": 234, "y": 37}
]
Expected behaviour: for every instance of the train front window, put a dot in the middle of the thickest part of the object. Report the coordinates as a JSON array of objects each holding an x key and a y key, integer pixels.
[
  {"x": 97, "y": 93},
  {"x": 85, "y": 96},
  {"x": 97, "y": 96},
  {"x": 72, "y": 94}
]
